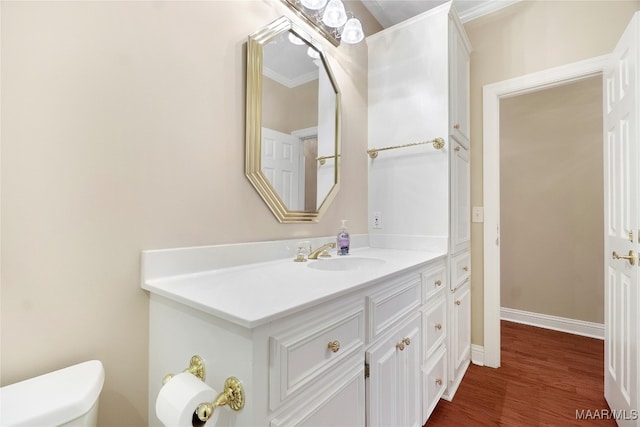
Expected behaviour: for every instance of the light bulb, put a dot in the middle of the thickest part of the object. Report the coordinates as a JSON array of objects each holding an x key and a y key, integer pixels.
[
  {"x": 334, "y": 15},
  {"x": 352, "y": 32},
  {"x": 313, "y": 4},
  {"x": 313, "y": 53},
  {"x": 295, "y": 39}
]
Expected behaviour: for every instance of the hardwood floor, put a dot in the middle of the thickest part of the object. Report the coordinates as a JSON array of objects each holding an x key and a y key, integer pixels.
[{"x": 546, "y": 378}]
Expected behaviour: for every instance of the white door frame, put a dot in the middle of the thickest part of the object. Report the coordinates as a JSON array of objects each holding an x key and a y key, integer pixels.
[{"x": 492, "y": 94}]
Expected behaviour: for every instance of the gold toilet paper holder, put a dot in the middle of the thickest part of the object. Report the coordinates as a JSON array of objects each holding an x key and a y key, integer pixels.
[
  {"x": 196, "y": 367},
  {"x": 232, "y": 395}
]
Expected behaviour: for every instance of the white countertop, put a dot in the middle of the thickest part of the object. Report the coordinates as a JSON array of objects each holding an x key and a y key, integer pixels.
[{"x": 254, "y": 294}]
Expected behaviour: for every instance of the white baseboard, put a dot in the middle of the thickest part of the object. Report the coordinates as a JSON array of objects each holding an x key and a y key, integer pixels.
[
  {"x": 562, "y": 324},
  {"x": 477, "y": 354}
]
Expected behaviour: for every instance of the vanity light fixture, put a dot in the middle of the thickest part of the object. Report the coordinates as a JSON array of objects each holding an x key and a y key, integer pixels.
[
  {"x": 330, "y": 19},
  {"x": 334, "y": 15},
  {"x": 313, "y": 4},
  {"x": 352, "y": 32}
]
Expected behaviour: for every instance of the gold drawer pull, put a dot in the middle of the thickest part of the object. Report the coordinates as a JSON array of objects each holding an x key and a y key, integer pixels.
[
  {"x": 400, "y": 346},
  {"x": 407, "y": 341},
  {"x": 458, "y": 302},
  {"x": 334, "y": 346},
  {"x": 438, "y": 282},
  {"x": 465, "y": 268},
  {"x": 438, "y": 326},
  {"x": 438, "y": 382}
]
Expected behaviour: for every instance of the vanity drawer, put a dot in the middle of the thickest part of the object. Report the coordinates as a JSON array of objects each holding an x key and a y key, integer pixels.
[
  {"x": 460, "y": 269},
  {"x": 391, "y": 304},
  {"x": 310, "y": 354},
  {"x": 434, "y": 325},
  {"x": 434, "y": 280},
  {"x": 434, "y": 381}
]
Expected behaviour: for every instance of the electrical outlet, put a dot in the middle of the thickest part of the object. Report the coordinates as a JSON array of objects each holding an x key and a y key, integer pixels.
[
  {"x": 377, "y": 220},
  {"x": 477, "y": 214}
]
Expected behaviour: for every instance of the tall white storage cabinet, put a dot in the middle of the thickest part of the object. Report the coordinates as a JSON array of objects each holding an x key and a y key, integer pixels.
[{"x": 419, "y": 91}]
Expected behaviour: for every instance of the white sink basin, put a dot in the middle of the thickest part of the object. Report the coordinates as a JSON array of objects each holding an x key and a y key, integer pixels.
[{"x": 345, "y": 263}]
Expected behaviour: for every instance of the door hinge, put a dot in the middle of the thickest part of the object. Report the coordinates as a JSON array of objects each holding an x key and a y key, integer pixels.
[{"x": 366, "y": 370}]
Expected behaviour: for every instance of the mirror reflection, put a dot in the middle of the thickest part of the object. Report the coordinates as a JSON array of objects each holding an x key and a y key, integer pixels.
[{"x": 299, "y": 126}]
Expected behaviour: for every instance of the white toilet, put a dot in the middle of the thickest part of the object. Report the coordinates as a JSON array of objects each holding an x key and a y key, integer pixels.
[{"x": 67, "y": 397}]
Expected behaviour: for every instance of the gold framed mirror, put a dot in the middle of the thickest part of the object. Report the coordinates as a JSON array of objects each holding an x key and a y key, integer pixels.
[{"x": 293, "y": 123}]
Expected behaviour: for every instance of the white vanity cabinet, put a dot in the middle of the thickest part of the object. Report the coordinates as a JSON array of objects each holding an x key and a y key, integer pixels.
[
  {"x": 419, "y": 90},
  {"x": 349, "y": 356}
]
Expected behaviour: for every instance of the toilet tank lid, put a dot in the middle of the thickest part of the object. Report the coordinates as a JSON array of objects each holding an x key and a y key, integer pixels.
[{"x": 54, "y": 398}]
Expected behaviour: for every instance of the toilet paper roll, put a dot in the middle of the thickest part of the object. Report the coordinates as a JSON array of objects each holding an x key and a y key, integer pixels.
[{"x": 179, "y": 398}]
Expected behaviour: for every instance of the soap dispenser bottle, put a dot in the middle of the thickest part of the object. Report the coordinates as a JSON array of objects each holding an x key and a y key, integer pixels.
[{"x": 343, "y": 239}]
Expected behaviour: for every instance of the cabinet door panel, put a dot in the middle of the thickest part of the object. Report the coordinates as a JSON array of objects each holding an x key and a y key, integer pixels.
[
  {"x": 435, "y": 381},
  {"x": 342, "y": 407},
  {"x": 394, "y": 385},
  {"x": 462, "y": 320},
  {"x": 460, "y": 199},
  {"x": 434, "y": 327},
  {"x": 459, "y": 87}
]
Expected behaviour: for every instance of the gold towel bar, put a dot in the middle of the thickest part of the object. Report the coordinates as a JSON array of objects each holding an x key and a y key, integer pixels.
[
  {"x": 438, "y": 143},
  {"x": 323, "y": 159}
]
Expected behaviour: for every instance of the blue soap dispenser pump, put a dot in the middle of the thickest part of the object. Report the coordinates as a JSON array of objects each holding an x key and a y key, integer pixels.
[{"x": 343, "y": 239}]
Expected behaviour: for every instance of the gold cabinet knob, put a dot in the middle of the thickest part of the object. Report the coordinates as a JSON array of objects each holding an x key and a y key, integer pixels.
[
  {"x": 631, "y": 257},
  {"x": 437, "y": 282},
  {"x": 458, "y": 302},
  {"x": 465, "y": 268},
  {"x": 456, "y": 126},
  {"x": 456, "y": 149},
  {"x": 438, "y": 382},
  {"x": 334, "y": 346},
  {"x": 438, "y": 326},
  {"x": 400, "y": 346},
  {"x": 407, "y": 341}
]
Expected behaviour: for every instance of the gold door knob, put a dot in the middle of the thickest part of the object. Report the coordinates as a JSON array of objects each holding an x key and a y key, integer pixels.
[
  {"x": 631, "y": 257},
  {"x": 407, "y": 341},
  {"x": 438, "y": 326},
  {"x": 458, "y": 302},
  {"x": 438, "y": 382},
  {"x": 438, "y": 283},
  {"x": 400, "y": 346},
  {"x": 334, "y": 346}
]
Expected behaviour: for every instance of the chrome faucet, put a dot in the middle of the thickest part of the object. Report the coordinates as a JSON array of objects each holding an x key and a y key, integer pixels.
[{"x": 322, "y": 251}]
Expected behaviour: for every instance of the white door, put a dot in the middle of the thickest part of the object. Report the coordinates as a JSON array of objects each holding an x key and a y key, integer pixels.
[
  {"x": 283, "y": 166},
  {"x": 622, "y": 187}
]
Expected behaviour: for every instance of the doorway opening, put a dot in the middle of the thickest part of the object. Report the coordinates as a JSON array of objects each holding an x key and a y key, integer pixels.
[{"x": 492, "y": 96}]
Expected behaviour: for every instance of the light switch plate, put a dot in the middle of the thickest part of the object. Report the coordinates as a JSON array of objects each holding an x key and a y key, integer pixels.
[{"x": 477, "y": 214}]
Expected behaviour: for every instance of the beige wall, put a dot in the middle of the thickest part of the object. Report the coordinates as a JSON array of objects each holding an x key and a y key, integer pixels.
[
  {"x": 123, "y": 130},
  {"x": 524, "y": 38},
  {"x": 551, "y": 202},
  {"x": 298, "y": 111}
]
